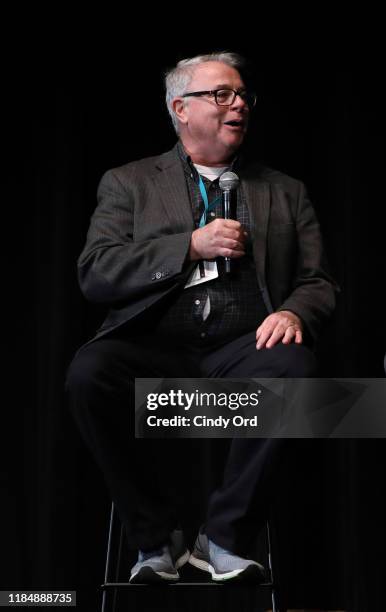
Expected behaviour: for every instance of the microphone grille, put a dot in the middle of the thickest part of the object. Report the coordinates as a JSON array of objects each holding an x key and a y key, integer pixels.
[{"x": 229, "y": 181}]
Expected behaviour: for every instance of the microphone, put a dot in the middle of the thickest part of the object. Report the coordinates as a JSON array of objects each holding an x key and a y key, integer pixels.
[{"x": 228, "y": 181}]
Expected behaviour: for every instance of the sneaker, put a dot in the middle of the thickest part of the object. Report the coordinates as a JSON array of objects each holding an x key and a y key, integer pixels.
[
  {"x": 161, "y": 565},
  {"x": 154, "y": 566},
  {"x": 224, "y": 565},
  {"x": 200, "y": 555}
]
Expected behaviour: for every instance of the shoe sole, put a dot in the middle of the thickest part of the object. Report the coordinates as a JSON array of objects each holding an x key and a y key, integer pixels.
[
  {"x": 200, "y": 564},
  {"x": 250, "y": 574},
  {"x": 146, "y": 575}
]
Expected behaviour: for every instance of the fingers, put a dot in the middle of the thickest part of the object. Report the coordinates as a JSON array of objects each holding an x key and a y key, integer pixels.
[
  {"x": 231, "y": 253},
  {"x": 278, "y": 327},
  {"x": 292, "y": 334},
  {"x": 230, "y": 247},
  {"x": 229, "y": 223},
  {"x": 230, "y": 234},
  {"x": 269, "y": 337},
  {"x": 230, "y": 237},
  {"x": 278, "y": 334},
  {"x": 298, "y": 336},
  {"x": 222, "y": 237},
  {"x": 265, "y": 336},
  {"x": 228, "y": 243}
]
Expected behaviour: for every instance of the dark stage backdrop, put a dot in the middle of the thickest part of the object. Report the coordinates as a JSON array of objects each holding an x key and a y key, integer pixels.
[{"x": 66, "y": 126}]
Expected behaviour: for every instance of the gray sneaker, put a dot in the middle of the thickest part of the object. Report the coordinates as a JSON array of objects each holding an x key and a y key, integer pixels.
[
  {"x": 154, "y": 566},
  {"x": 224, "y": 565},
  {"x": 200, "y": 555},
  {"x": 161, "y": 565}
]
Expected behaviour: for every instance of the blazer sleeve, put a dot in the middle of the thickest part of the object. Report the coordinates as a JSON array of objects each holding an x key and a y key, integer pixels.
[
  {"x": 313, "y": 289},
  {"x": 113, "y": 267}
]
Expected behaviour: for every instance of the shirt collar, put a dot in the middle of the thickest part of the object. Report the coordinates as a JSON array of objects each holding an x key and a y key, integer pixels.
[{"x": 189, "y": 166}]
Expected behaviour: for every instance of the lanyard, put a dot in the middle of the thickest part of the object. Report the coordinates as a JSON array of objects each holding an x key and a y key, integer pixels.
[{"x": 208, "y": 207}]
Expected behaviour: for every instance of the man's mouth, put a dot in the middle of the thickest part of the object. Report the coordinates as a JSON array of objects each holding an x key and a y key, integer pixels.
[{"x": 235, "y": 123}]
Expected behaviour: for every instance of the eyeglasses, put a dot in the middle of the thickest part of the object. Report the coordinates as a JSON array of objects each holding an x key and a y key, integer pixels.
[{"x": 225, "y": 97}]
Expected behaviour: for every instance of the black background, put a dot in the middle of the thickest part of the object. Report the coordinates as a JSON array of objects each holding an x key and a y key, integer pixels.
[{"x": 73, "y": 113}]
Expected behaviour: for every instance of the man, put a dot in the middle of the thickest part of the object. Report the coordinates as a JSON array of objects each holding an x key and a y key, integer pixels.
[{"x": 155, "y": 255}]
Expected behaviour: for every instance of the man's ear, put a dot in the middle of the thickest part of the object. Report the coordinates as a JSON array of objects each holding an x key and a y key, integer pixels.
[{"x": 179, "y": 106}]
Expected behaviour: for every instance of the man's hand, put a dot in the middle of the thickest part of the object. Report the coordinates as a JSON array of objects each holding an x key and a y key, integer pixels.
[
  {"x": 284, "y": 325},
  {"x": 220, "y": 238}
]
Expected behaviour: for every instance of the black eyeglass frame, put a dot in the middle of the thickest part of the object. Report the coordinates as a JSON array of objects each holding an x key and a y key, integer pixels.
[{"x": 248, "y": 96}]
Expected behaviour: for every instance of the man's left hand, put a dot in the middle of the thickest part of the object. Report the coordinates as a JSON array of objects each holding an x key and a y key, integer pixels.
[{"x": 284, "y": 325}]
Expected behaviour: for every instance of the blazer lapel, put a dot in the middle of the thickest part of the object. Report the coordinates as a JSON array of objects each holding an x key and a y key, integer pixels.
[
  {"x": 170, "y": 182},
  {"x": 257, "y": 194}
]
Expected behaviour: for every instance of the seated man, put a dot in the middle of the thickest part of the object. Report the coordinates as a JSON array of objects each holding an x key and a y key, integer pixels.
[{"x": 155, "y": 254}]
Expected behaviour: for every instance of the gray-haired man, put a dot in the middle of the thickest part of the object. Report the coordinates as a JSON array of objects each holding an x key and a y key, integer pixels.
[{"x": 157, "y": 221}]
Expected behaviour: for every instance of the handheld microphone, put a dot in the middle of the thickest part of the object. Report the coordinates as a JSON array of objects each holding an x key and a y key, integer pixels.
[{"x": 228, "y": 182}]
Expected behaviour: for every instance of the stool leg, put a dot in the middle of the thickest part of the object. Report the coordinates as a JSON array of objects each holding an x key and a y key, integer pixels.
[
  {"x": 270, "y": 565},
  {"x": 108, "y": 557},
  {"x": 118, "y": 565}
]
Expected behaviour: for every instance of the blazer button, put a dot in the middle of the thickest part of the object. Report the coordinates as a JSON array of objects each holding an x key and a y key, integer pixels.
[{"x": 158, "y": 275}]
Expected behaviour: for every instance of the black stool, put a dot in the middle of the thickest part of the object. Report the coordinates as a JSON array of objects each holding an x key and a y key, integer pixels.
[{"x": 113, "y": 564}]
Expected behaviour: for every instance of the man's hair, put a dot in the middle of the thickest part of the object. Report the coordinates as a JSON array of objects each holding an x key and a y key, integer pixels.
[{"x": 177, "y": 79}]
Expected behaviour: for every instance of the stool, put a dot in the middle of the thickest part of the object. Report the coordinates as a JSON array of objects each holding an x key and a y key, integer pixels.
[{"x": 113, "y": 566}]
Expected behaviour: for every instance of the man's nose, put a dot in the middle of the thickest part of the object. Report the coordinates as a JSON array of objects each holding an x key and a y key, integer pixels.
[{"x": 239, "y": 103}]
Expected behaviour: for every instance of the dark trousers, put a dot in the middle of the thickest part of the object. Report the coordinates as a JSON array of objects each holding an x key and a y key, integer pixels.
[{"x": 141, "y": 473}]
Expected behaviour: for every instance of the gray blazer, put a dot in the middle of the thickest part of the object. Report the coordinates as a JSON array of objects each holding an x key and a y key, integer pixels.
[{"x": 138, "y": 241}]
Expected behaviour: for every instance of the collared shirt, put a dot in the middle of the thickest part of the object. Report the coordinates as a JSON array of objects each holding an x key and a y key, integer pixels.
[{"x": 236, "y": 305}]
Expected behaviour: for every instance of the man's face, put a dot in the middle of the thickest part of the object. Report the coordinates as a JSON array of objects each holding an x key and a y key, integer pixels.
[{"x": 205, "y": 125}]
